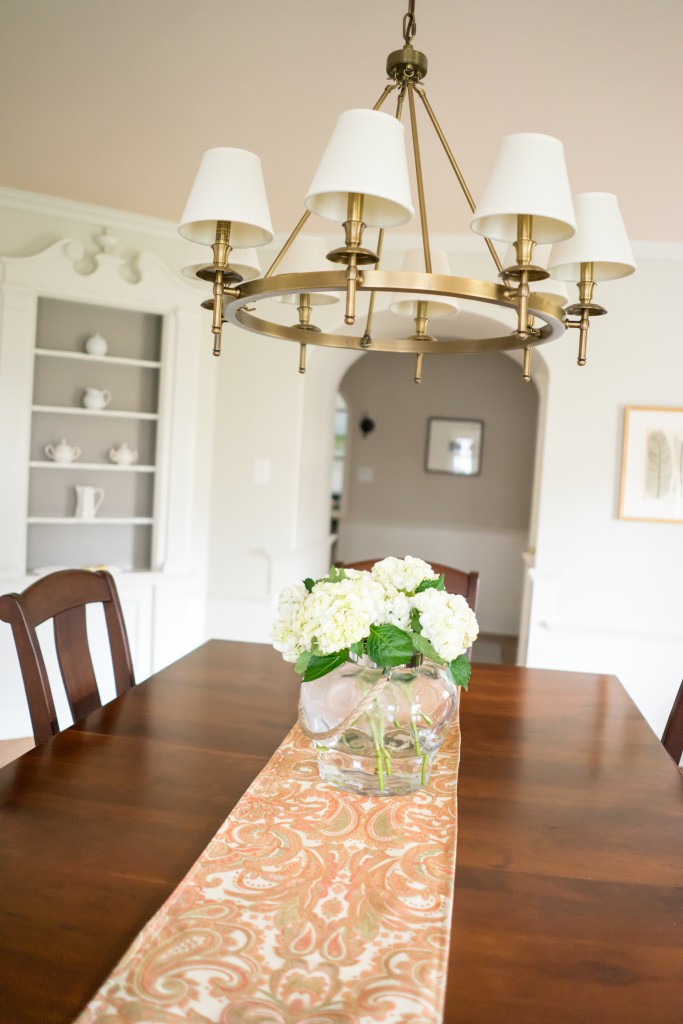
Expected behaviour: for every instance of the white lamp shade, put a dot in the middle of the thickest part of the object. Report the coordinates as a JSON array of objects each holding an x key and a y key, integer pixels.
[
  {"x": 414, "y": 261},
  {"x": 307, "y": 253},
  {"x": 228, "y": 187},
  {"x": 366, "y": 155},
  {"x": 600, "y": 239},
  {"x": 528, "y": 177},
  {"x": 244, "y": 261}
]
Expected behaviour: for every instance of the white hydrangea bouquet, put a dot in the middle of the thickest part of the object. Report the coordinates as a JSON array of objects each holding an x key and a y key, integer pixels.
[
  {"x": 381, "y": 655},
  {"x": 396, "y": 612}
]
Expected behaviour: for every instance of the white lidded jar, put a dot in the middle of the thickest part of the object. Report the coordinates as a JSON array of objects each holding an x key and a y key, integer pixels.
[{"x": 96, "y": 345}]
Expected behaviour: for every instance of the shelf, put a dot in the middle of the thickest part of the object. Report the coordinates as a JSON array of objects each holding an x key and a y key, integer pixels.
[
  {"x": 80, "y": 521},
  {"x": 77, "y": 411},
  {"x": 94, "y": 466},
  {"x": 55, "y": 353}
]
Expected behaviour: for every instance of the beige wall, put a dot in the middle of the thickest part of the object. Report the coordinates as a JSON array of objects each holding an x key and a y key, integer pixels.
[{"x": 486, "y": 387}]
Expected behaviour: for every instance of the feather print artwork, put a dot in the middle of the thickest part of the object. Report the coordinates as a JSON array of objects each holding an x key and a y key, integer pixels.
[
  {"x": 660, "y": 465},
  {"x": 678, "y": 481}
]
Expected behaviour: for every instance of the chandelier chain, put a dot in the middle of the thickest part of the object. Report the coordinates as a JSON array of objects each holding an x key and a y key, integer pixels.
[{"x": 409, "y": 23}]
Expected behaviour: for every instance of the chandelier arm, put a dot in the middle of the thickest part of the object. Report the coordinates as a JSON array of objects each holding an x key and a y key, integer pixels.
[
  {"x": 283, "y": 251},
  {"x": 420, "y": 183},
  {"x": 456, "y": 170},
  {"x": 399, "y": 103},
  {"x": 380, "y": 101},
  {"x": 367, "y": 336}
]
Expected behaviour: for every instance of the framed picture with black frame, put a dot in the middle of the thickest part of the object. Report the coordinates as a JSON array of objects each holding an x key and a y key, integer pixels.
[{"x": 454, "y": 446}]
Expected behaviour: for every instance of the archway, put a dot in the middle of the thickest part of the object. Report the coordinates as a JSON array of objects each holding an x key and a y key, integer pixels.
[{"x": 392, "y": 503}]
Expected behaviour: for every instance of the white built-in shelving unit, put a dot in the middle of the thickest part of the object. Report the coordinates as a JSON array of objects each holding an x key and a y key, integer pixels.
[{"x": 151, "y": 527}]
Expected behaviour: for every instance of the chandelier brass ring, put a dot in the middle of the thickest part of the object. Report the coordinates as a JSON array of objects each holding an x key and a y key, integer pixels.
[{"x": 545, "y": 307}]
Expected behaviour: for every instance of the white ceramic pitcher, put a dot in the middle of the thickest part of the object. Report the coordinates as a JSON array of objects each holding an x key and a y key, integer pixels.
[
  {"x": 88, "y": 500},
  {"x": 96, "y": 398}
]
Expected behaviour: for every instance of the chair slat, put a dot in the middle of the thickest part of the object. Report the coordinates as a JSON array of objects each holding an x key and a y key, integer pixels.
[{"x": 63, "y": 597}]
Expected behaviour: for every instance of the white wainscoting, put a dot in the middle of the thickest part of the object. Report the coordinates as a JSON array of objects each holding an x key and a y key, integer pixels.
[
  {"x": 496, "y": 554},
  {"x": 649, "y": 664},
  {"x": 232, "y": 616}
]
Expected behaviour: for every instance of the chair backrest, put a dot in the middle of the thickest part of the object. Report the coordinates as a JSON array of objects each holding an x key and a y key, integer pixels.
[
  {"x": 455, "y": 580},
  {"x": 672, "y": 737},
  {"x": 63, "y": 596}
]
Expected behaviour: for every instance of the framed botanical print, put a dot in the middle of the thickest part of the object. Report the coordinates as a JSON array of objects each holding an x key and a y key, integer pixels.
[{"x": 652, "y": 468}]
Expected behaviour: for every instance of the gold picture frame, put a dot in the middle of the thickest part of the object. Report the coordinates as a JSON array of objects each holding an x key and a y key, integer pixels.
[{"x": 652, "y": 465}]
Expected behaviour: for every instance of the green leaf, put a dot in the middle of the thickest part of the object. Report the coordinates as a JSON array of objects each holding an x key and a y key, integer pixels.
[
  {"x": 357, "y": 649},
  {"x": 423, "y": 647},
  {"x": 336, "y": 575},
  {"x": 415, "y": 623},
  {"x": 320, "y": 665},
  {"x": 389, "y": 646},
  {"x": 309, "y": 584},
  {"x": 460, "y": 670},
  {"x": 431, "y": 585},
  {"x": 302, "y": 661}
]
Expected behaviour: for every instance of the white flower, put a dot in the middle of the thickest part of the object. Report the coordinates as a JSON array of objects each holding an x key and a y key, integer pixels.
[
  {"x": 404, "y": 574},
  {"x": 447, "y": 622},
  {"x": 397, "y": 607},
  {"x": 286, "y": 628},
  {"x": 336, "y": 615}
]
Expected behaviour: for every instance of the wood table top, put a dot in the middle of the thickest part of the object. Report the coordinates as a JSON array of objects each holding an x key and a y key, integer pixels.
[{"x": 569, "y": 878}]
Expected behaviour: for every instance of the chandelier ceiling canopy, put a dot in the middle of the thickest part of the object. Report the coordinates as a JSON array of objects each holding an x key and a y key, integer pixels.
[{"x": 363, "y": 183}]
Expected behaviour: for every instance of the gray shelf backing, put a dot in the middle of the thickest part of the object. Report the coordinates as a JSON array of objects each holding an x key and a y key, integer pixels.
[
  {"x": 64, "y": 381},
  {"x": 125, "y": 546},
  {"x": 125, "y": 494},
  {"x": 93, "y": 435},
  {"x": 66, "y": 325}
]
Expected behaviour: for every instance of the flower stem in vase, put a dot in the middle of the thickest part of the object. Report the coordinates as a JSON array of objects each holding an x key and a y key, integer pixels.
[{"x": 413, "y": 719}]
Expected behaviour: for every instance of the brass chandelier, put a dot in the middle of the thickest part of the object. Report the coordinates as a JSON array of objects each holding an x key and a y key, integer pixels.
[{"x": 362, "y": 182}]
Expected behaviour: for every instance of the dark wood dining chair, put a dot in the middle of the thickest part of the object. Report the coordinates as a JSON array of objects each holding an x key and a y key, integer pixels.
[
  {"x": 63, "y": 596},
  {"x": 672, "y": 737},
  {"x": 456, "y": 581}
]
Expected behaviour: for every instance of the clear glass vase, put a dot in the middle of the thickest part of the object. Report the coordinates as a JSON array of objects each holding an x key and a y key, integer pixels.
[{"x": 390, "y": 746}]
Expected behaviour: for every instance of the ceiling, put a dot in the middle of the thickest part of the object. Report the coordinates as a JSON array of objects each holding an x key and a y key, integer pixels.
[{"x": 113, "y": 101}]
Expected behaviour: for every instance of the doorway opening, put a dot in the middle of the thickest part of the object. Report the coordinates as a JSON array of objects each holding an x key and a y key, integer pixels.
[{"x": 393, "y": 501}]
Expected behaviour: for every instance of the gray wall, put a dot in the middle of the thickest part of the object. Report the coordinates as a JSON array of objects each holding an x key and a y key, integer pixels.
[{"x": 487, "y": 387}]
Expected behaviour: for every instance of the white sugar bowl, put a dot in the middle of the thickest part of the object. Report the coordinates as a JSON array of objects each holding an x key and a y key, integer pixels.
[
  {"x": 96, "y": 345},
  {"x": 96, "y": 398},
  {"x": 62, "y": 452},
  {"x": 122, "y": 455}
]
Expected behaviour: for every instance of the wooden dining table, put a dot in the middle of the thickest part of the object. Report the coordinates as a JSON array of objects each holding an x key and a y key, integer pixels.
[{"x": 568, "y": 900}]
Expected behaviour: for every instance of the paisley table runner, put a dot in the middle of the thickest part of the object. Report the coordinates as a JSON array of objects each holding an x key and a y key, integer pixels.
[{"x": 309, "y": 905}]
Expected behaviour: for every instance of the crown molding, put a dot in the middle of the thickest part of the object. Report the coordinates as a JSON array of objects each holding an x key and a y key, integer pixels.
[{"x": 88, "y": 213}]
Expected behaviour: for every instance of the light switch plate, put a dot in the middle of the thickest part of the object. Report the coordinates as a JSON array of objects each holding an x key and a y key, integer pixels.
[{"x": 262, "y": 471}]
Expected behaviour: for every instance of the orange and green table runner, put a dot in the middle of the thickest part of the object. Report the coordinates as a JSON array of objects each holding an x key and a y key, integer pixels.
[{"x": 311, "y": 905}]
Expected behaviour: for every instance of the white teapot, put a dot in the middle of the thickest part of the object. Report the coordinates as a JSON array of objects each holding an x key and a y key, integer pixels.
[
  {"x": 123, "y": 455},
  {"x": 96, "y": 398},
  {"x": 62, "y": 452}
]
